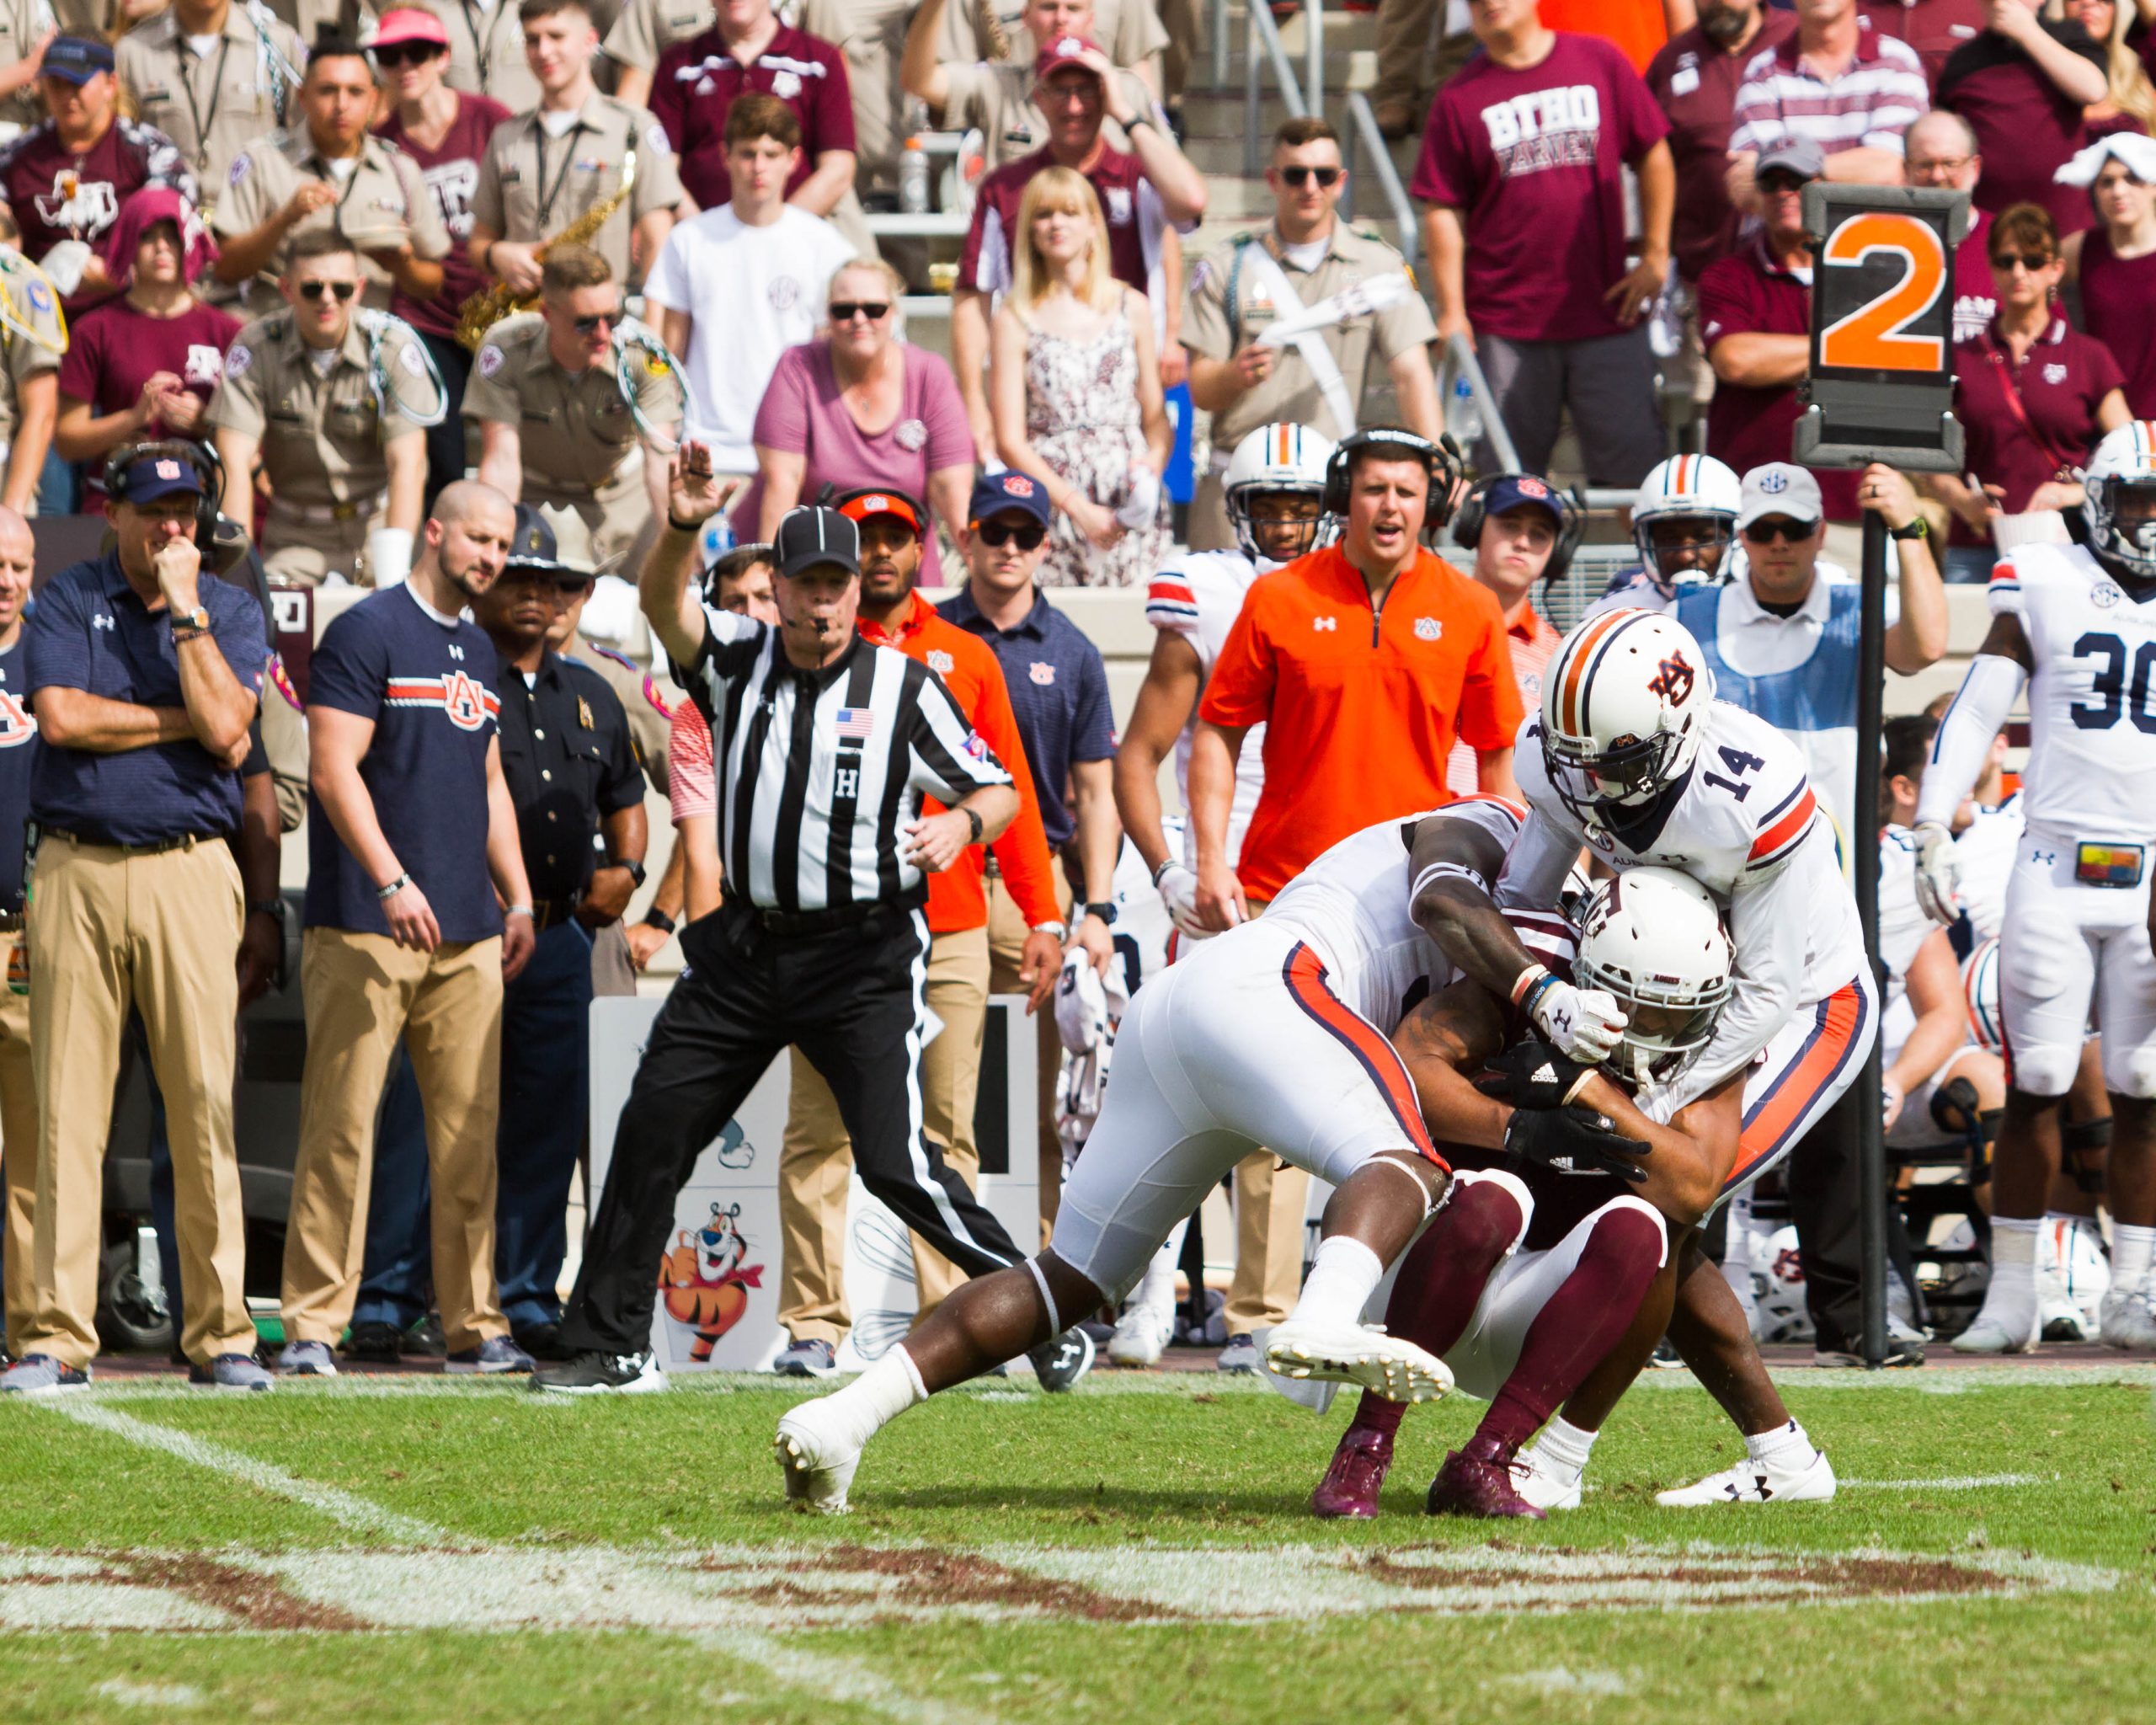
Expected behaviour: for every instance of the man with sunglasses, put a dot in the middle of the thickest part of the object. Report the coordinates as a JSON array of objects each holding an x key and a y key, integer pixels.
[
  {"x": 347, "y": 471},
  {"x": 555, "y": 427},
  {"x": 1305, "y": 256}
]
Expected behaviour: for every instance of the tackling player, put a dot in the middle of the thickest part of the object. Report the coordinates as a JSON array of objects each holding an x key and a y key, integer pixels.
[
  {"x": 2077, "y": 626},
  {"x": 1684, "y": 524}
]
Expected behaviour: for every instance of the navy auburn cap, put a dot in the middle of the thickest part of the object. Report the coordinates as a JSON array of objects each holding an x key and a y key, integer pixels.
[
  {"x": 809, "y": 537},
  {"x": 1518, "y": 490},
  {"x": 76, "y": 59},
  {"x": 152, "y": 475},
  {"x": 1002, "y": 493}
]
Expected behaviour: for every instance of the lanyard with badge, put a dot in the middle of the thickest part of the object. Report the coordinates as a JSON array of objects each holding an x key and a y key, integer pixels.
[
  {"x": 546, "y": 194},
  {"x": 202, "y": 122},
  {"x": 483, "y": 57}
]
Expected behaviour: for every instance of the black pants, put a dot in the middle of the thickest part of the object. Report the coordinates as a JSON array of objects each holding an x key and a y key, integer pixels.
[
  {"x": 850, "y": 999},
  {"x": 1826, "y": 1203},
  {"x": 446, "y": 456}
]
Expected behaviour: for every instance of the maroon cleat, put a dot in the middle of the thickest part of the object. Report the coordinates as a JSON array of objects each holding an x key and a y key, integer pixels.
[
  {"x": 1349, "y": 1490},
  {"x": 1478, "y": 1481}
]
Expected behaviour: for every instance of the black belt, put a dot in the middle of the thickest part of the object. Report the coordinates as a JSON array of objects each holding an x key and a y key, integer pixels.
[
  {"x": 156, "y": 847},
  {"x": 11, "y": 922},
  {"x": 826, "y": 922},
  {"x": 547, "y": 913}
]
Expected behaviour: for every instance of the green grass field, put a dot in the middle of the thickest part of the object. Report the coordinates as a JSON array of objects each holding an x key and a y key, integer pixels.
[{"x": 408, "y": 1549}]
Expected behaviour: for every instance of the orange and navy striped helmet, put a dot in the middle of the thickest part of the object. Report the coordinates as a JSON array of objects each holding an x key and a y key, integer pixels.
[
  {"x": 1624, "y": 704},
  {"x": 1688, "y": 488}
]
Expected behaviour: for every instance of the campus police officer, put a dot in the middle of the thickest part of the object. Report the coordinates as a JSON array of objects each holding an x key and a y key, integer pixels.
[
  {"x": 827, "y": 744},
  {"x": 18, "y": 1082},
  {"x": 146, "y": 677}
]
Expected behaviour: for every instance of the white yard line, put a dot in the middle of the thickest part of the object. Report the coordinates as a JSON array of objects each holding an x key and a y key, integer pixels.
[{"x": 1950, "y": 1483}]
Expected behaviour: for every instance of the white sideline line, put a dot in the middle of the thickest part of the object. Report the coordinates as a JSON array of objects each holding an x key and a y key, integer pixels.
[{"x": 1950, "y": 1482}]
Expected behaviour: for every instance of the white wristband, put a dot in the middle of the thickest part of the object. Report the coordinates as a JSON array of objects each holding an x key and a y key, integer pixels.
[{"x": 523, "y": 910}]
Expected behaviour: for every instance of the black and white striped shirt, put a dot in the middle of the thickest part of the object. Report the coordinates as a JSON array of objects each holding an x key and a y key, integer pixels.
[{"x": 817, "y": 773}]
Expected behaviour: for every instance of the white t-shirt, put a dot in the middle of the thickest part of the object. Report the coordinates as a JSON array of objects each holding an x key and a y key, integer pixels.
[{"x": 753, "y": 292}]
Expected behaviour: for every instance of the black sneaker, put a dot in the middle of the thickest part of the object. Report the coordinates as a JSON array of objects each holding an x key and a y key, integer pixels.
[
  {"x": 542, "y": 1341},
  {"x": 1902, "y": 1353},
  {"x": 373, "y": 1344},
  {"x": 1060, "y": 1362},
  {"x": 596, "y": 1373},
  {"x": 425, "y": 1340}
]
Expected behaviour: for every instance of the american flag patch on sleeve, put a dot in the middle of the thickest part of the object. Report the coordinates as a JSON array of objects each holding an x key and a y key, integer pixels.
[{"x": 856, "y": 724}]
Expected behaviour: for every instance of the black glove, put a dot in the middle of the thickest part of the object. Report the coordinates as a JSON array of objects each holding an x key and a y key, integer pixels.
[
  {"x": 1533, "y": 1074},
  {"x": 1572, "y": 1140}
]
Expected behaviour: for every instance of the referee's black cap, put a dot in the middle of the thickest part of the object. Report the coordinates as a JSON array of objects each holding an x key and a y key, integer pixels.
[{"x": 809, "y": 537}]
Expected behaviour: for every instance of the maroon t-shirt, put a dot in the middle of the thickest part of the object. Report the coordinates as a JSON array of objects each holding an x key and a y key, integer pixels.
[
  {"x": 114, "y": 350},
  {"x": 1695, "y": 84},
  {"x": 2060, "y": 380},
  {"x": 1531, "y": 161},
  {"x": 452, "y": 175},
  {"x": 2026, "y": 129},
  {"x": 696, "y": 81},
  {"x": 1748, "y": 293},
  {"x": 2118, "y": 297},
  {"x": 1135, "y": 218},
  {"x": 1976, "y": 295},
  {"x": 1933, "y": 28},
  {"x": 57, "y": 194}
]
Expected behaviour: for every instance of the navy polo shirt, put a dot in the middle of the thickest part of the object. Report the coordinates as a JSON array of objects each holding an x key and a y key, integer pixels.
[
  {"x": 1058, "y": 691},
  {"x": 89, "y": 630},
  {"x": 17, "y": 745},
  {"x": 429, "y": 687}
]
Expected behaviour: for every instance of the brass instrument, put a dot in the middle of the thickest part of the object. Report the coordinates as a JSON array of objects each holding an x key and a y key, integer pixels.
[{"x": 490, "y": 305}]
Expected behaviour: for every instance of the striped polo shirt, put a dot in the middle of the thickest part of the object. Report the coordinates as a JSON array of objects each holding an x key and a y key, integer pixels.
[{"x": 1869, "y": 106}]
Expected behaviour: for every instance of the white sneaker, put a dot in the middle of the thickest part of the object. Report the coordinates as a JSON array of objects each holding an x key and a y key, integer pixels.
[
  {"x": 1140, "y": 1334},
  {"x": 818, "y": 1463},
  {"x": 2005, "y": 1326},
  {"x": 1757, "y": 1482},
  {"x": 1390, "y": 1366},
  {"x": 2127, "y": 1320},
  {"x": 1544, "y": 1482}
]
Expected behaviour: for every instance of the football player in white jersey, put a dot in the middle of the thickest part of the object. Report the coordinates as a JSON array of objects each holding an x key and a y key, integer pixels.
[
  {"x": 1684, "y": 524},
  {"x": 2076, "y": 625}
]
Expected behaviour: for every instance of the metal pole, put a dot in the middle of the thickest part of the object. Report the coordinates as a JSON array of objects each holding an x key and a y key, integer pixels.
[
  {"x": 1313, "y": 80},
  {"x": 1350, "y": 140},
  {"x": 1253, "y": 48},
  {"x": 1864, "y": 827},
  {"x": 1220, "y": 44}
]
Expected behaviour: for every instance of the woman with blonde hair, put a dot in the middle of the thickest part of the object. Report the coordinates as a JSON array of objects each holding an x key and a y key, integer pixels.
[
  {"x": 1075, "y": 391},
  {"x": 2129, "y": 102}
]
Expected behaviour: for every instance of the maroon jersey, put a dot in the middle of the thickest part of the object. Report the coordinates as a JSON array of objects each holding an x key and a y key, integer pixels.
[
  {"x": 1135, "y": 217},
  {"x": 57, "y": 193},
  {"x": 696, "y": 81},
  {"x": 2024, "y": 127},
  {"x": 114, "y": 350},
  {"x": 1694, "y": 84},
  {"x": 2060, "y": 381},
  {"x": 1976, "y": 295},
  {"x": 1933, "y": 28},
  {"x": 2116, "y": 294},
  {"x": 1532, "y": 161},
  {"x": 451, "y": 173}
]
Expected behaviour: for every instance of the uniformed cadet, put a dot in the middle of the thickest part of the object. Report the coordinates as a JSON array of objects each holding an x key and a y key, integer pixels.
[
  {"x": 486, "y": 51},
  {"x": 572, "y": 774},
  {"x": 554, "y": 424},
  {"x": 565, "y": 153},
  {"x": 18, "y": 1079},
  {"x": 145, "y": 671},
  {"x": 300, "y": 393},
  {"x": 25, "y": 26},
  {"x": 1305, "y": 256},
  {"x": 326, "y": 173},
  {"x": 645, "y": 29},
  {"x": 30, "y": 384}
]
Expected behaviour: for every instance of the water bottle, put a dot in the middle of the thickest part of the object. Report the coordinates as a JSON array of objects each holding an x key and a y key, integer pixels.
[
  {"x": 1463, "y": 416},
  {"x": 913, "y": 179}
]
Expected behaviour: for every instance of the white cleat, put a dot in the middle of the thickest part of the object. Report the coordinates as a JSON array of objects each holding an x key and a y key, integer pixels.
[
  {"x": 1390, "y": 1366},
  {"x": 1545, "y": 1483},
  {"x": 1757, "y": 1482},
  {"x": 2127, "y": 1319},
  {"x": 818, "y": 1466},
  {"x": 2001, "y": 1331},
  {"x": 1140, "y": 1336}
]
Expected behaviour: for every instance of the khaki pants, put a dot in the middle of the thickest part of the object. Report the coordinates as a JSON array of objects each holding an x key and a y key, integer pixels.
[
  {"x": 1007, "y": 929},
  {"x": 361, "y": 992},
  {"x": 18, "y": 1152},
  {"x": 816, "y": 1159},
  {"x": 617, "y": 517},
  {"x": 112, "y": 932}
]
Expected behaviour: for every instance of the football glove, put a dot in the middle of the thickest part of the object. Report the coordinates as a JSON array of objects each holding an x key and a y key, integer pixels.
[
  {"x": 1572, "y": 1140},
  {"x": 1586, "y": 1024},
  {"x": 1938, "y": 873},
  {"x": 1179, "y": 893},
  {"x": 1532, "y": 1075}
]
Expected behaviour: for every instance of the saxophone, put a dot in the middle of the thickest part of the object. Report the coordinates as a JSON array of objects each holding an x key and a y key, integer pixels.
[{"x": 490, "y": 305}]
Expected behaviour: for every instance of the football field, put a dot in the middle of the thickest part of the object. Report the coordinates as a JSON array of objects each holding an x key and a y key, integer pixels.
[{"x": 413, "y": 1548}]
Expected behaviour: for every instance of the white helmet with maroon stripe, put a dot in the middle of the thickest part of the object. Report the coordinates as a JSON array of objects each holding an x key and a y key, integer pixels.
[
  {"x": 2124, "y": 462},
  {"x": 1276, "y": 458},
  {"x": 1624, "y": 704},
  {"x": 1653, "y": 938},
  {"x": 1694, "y": 489}
]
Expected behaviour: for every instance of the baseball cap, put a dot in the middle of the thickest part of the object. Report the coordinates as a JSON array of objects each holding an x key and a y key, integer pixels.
[
  {"x": 1791, "y": 154},
  {"x": 1778, "y": 488},
  {"x": 859, "y": 506},
  {"x": 153, "y": 476},
  {"x": 1062, "y": 55},
  {"x": 810, "y": 536},
  {"x": 406, "y": 23},
  {"x": 1518, "y": 490},
  {"x": 76, "y": 59},
  {"x": 1000, "y": 494}
]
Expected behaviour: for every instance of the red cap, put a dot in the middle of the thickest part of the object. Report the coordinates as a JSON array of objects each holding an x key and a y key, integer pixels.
[
  {"x": 858, "y": 506},
  {"x": 1062, "y": 55},
  {"x": 408, "y": 23}
]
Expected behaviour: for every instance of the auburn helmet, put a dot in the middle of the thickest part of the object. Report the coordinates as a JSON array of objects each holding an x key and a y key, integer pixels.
[
  {"x": 1688, "y": 488},
  {"x": 1624, "y": 704}
]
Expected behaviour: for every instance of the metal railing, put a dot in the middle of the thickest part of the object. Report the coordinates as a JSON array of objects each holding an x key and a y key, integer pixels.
[
  {"x": 1460, "y": 364},
  {"x": 1263, "y": 44},
  {"x": 1362, "y": 136},
  {"x": 1314, "y": 51}
]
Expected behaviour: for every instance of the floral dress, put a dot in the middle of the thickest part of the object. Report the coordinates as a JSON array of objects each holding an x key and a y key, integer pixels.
[{"x": 1083, "y": 418}]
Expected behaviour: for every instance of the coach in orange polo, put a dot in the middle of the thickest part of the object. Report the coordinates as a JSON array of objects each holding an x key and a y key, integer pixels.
[{"x": 816, "y": 1160}]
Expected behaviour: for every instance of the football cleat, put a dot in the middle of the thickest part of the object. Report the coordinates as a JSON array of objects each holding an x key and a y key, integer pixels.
[
  {"x": 1998, "y": 1329},
  {"x": 1476, "y": 1481},
  {"x": 2127, "y": 1319},
  {"x": 1545, "y": 1481},
  {"x": 1061, "y": 1360},
  {"x": 1750, "y": 1481},
  {"x": 1349, "y": 1490},
  {"x": 1141, "y": 1334},
  {"x": 1390, "y": 1366},
  {"x": 817, "y": 1463}
]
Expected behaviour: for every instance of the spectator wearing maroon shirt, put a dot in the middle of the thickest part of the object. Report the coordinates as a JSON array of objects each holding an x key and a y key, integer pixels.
[
  {"x": 1523, "y": 219},
  {"x": 747, "y": 48},
  {"x": 1933, "y": 28},
  {"x": 445, "y": 132},
  {"x": 2022, "y": 85},
  {"x": 2033, "y": 395},
  {"x": 1939, "y": 151},
  {"x": 145, "y": 365},
  {"x": 2113, "y": 263},
  {"x": 1755, "y": 318}
]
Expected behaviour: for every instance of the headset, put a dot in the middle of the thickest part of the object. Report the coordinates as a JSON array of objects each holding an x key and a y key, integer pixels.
[
  {"x": 200, "y": 456},
  {"x": 1572, "y": 522},
  {"x": 1446, "y": 467}
]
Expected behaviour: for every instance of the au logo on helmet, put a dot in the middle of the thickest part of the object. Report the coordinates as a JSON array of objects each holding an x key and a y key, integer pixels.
[{"x": 1672, "y": 680}]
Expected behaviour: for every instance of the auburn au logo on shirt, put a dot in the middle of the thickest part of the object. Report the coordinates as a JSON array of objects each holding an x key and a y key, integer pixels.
[
  {"x": 468, "y": 702},
  {"x": 17, "y": 727}
]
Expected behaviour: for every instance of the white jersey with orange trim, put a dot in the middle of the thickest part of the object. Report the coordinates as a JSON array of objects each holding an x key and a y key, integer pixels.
[{"x": 1199, "y": 596}]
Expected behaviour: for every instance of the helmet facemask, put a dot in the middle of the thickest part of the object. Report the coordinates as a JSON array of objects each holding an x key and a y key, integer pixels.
[
  {"x": 1669, "y": 1021},
  {"x": 2121, "y": 515},
  {"x": 1700, "y": 554},
  {"x": 1272, "y": 538},
  {"x": 1631, "y": 773}
]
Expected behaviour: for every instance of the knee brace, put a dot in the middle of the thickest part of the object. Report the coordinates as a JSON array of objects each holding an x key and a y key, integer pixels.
[
  {"x": 2082, "y": 1147},
  {"x": 1954, "y": 1110}
]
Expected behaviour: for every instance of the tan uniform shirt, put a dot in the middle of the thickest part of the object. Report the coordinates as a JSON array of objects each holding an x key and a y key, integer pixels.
[
  {"x": 998, "y": 96},
  {"x": 22, "y": 24},
  {"x": 1289, "y": 392},
  {"x": 486, "y": 52},
  {"x": 532, "y": 185},
  {"x": 310, "y": 17},
  {"x": 646, "y": 29},
  {"x": 872, "y": 32},
  {"x": 212, "y": 106},
  {"x": 321, "y": 436},
  {"x": 1129, "y": 31},
  {"x": 31, "y": 300},
  {"x": 384, "y": 203},
  {"x": 577, "y": 438}
]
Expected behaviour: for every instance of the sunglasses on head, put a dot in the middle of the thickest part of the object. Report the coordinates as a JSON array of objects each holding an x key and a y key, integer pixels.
[
  {"x": 1774, "y": 527},
  {"x": 2030, "y": 261},
  {"x": 845, "y": 311},
  {"x": 1298, "y": 177},
  {"x": 314, "y": 290},
  {"x": 405, "y": 54},
  {"x": 589, "y": 326},
  {"x": 1028, "y": 535}
]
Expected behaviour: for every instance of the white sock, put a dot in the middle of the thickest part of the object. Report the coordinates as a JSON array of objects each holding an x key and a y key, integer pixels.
[
  {"x": 2130, "y": 1252},
  {"x": 1342, "y": 1277},
  {"x": 1565, "y": 1444},
  {"x": 1156, "y": 1289},
  {"x": 1785, "y": 1443},
  {"x": 875, "y": 1398},
  {"x": 2012, "y": 1261}
]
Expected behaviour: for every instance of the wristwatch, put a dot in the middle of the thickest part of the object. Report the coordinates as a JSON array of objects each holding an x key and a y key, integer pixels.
[
  {"x": 1917, "y": 529},
  {"x": 197, "y": 620},
  {"x": 635, "y": 868},
  {"x": 1105, "y": 910}
]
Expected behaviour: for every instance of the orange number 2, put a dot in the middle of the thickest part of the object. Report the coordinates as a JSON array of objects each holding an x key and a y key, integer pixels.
[{"x": 1875, "y": 337}]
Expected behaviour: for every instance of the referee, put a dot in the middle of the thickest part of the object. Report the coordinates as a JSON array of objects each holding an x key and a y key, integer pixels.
[{"x": 824, "y": 745}]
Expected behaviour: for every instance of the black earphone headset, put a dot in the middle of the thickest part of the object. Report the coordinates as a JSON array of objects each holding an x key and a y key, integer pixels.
[
  {"x": 1442, "y": 459},
  {"x": 200, "y": 456},
  {"x": 1572, "y": 522}
]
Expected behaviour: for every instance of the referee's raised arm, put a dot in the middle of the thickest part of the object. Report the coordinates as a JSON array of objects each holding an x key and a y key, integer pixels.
[{"x": 693, "y": 497}]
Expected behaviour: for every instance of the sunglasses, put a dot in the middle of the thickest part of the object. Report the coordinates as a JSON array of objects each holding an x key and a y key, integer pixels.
[
  {"x": 1298, "y": 177},
  {"x": 995, "y": 533},
  {"x": 590, "y": 326},
  {"x": 2032, "y": 261},
  {"x": 1774, "y": 527},
  {"x": 406, "y": 54},
  {"x": 314, "y": 290},
  {"x": 845, "y": 311}
]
